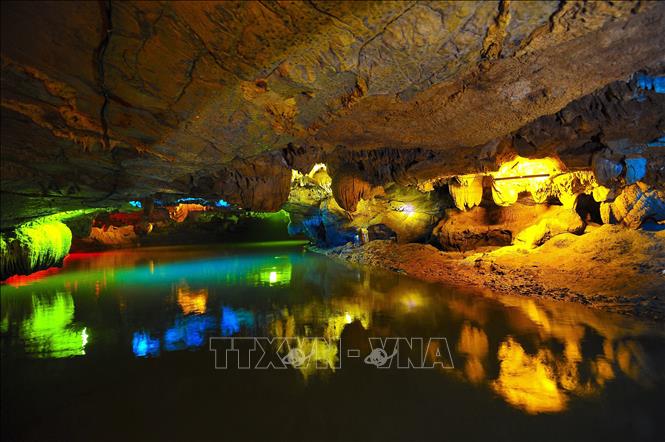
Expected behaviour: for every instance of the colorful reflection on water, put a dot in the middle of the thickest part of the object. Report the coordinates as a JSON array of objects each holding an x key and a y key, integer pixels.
[{"x": 534, "y": 357}]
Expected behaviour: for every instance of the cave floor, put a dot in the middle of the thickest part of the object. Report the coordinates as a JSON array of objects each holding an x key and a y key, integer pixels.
[{"x": 608, "y": 267}]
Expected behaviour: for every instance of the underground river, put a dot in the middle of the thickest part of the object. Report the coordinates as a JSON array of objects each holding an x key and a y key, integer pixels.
[{"x": 116, "y": 345}]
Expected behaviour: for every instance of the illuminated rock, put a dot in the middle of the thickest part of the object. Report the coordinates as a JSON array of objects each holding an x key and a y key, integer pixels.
[
  {"x": 467, "y": 191},
  {"x": 636, "y": 169},
  {"x": 112, "y": 236},
  {"x": 34, "y": 246},
  {"x": 602, "y": 193},
  {"x": 606, "y": 171},
  {"x": 335, "y": 222},
  {"x": 180, "y": 212},
  {"x": 556, "y": 221},
  {"x": 524, "y": 175},
  {"x": 485, "y": 226},
  {"x": 349, "y": 187},
  {"x": 178, "y": 103},
  {"x": 636, "y": 204}
]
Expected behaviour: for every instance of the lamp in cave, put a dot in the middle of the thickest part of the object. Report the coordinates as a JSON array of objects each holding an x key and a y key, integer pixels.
[{"x": 407, "y": 208}]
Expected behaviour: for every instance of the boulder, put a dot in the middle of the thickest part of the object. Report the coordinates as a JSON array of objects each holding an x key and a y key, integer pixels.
[
  {"x": 554, "y": 222},
  {"x": 636, "y": 204},
  {"x": 485, "y": 226}
]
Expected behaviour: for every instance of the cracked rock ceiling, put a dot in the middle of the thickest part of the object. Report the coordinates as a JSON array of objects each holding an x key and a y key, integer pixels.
[{"x": 108, "y": 101}]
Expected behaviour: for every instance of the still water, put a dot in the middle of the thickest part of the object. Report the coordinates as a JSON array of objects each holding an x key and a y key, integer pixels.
[{"x": 116, "y": 346}]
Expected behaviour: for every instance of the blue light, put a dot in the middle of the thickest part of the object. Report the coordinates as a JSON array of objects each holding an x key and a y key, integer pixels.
[
  {"x": 222, "y": 203},
  {"x": 136, "y": 204},
  {"x": 188, "y": 332},
  {"x": 232, "y": 320},
  {"x": 191, "y": 200},
  {"x": 143, "y": 345},
  {"x": 647, "y": 82}
]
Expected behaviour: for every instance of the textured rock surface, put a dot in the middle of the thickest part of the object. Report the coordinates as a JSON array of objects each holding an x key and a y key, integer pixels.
[
  {"x": 558, "y": 220},
  {"x": 486, "y": 226},
  {"x": 635, "y": 205},
  {"x": 349, "y": 187},
  {"x": 33, "y": 247},
  {"x": 106, "y": 102}
]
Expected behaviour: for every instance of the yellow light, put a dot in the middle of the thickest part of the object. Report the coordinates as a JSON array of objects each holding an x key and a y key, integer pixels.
[
  {"x": 523, "y": 175},
  {"x": 192, "y": 301},
  {"x": 528, "y": 382},
  {"x": 273, "y": 277},
  {"x": 412, "y": 300},
  {"x": 348, "y": 318}
]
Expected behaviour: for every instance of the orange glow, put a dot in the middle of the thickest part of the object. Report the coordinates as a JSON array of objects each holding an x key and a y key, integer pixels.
[
  {"x": 180, "y": 212},
  {"x": 192, "y": 301},
  {"x": 473, "y": 341}
]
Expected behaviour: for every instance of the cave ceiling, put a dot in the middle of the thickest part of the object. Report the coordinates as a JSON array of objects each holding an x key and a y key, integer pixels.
[{"x": 109, "y": 101}]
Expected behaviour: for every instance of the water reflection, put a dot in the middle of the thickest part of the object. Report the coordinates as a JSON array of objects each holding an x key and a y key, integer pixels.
[
  {"x": 538, "y": 357},
  {"x": 144, "y": 345},
  {"x": 191, "y": 301},
  {"x": 48, "y": 332}
]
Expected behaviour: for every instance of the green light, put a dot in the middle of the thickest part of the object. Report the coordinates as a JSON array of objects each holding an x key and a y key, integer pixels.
[
  {"x": 278, "y": 274},
  {"x": 280, "y": 216},
  {"x": 38, "y": 244},
  {"x": 34, "y": 246},
  {"x": 48, "y": 333}
]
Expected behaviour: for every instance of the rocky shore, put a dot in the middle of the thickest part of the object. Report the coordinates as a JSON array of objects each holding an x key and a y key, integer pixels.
[{"x": 608, "y": 267}]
